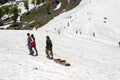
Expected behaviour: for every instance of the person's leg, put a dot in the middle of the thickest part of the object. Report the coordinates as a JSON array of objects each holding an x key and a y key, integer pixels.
[
  {"x": 36, "y": 50},
  {"x": 47, "y": 52},
  {"x": 30, "y": 50},
  {"x": 51, "y": 53}
]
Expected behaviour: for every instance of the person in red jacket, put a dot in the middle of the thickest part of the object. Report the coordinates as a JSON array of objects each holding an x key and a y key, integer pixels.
[{"x": 33, "y": 43}]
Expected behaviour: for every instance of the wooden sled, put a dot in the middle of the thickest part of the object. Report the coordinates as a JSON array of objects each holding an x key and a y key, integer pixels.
[{"x": 62, "y": 62}]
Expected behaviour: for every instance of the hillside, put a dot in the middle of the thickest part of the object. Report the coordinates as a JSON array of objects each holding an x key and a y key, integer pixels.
[
  {"x": 92, "y": 56},
  {"x": 88, "y": 18},
  {"x": 37, "y": 14}
]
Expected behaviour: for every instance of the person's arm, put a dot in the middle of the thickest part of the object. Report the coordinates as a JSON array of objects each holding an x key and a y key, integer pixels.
[{"x": 51, "y": 43}]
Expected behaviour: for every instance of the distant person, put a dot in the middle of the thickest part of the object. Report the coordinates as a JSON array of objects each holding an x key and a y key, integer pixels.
[
  {"x": 33, "y": 44},
  {"x": 93, "y": 34},
  {"x": 119, "y": 44},
  {"x": 29, "y": 44},
  {"x": 49, "y": 46}
]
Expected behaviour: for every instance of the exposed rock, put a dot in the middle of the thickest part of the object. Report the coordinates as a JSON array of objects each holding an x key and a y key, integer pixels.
[{"x": 4, "y": 1}]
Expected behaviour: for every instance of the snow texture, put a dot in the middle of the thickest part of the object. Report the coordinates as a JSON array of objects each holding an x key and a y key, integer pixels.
[
  {"x": 92, "y": 57},
  {"x": 58, "y": 6}
]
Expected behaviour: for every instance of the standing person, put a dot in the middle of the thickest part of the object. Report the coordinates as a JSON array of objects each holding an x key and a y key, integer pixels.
[
  {"x": 49, "y": 47},
  {"x": 93, "y": 34},
  {"x": 29, "y": 44},
  {"x": 33, "y": 43},
  {"x": 119, "y": 44}
]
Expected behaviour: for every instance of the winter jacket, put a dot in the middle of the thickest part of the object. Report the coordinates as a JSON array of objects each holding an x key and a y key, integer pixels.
[
  {"x": 28, "y": 41},
  {"x": 48, "y": 44},
  {"x": 32, "y": 41}
]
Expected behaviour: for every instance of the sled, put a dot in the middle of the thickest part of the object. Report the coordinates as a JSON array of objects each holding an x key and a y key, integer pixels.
[{"x": 62, "y": 62}]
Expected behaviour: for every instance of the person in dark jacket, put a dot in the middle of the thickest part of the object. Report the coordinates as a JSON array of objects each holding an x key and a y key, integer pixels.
[
  {"x": 49, "y": 46},
  {"x": 33, "y": 43}
]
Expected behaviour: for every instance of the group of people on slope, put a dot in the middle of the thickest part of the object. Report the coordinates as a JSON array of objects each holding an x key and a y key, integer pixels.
[{"x": 31, "y": 43}]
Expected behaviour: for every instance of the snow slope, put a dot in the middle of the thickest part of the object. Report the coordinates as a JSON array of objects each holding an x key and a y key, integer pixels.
[
  {"x": 91, "y": 58},
  {"x": 89, "y": 17}
]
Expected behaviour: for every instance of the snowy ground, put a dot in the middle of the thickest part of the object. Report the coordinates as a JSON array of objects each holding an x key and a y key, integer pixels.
[{"x": 91, "y": 58}]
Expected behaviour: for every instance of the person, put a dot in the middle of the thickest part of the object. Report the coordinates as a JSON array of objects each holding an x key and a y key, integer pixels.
[
  {"x": 49, "y": 48},
  {"x": 29, "y": 45},
  {"x": 93, "y": 34},
  {"x": 119, "y": 44},
  {"x": 33, "y": 43}
]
